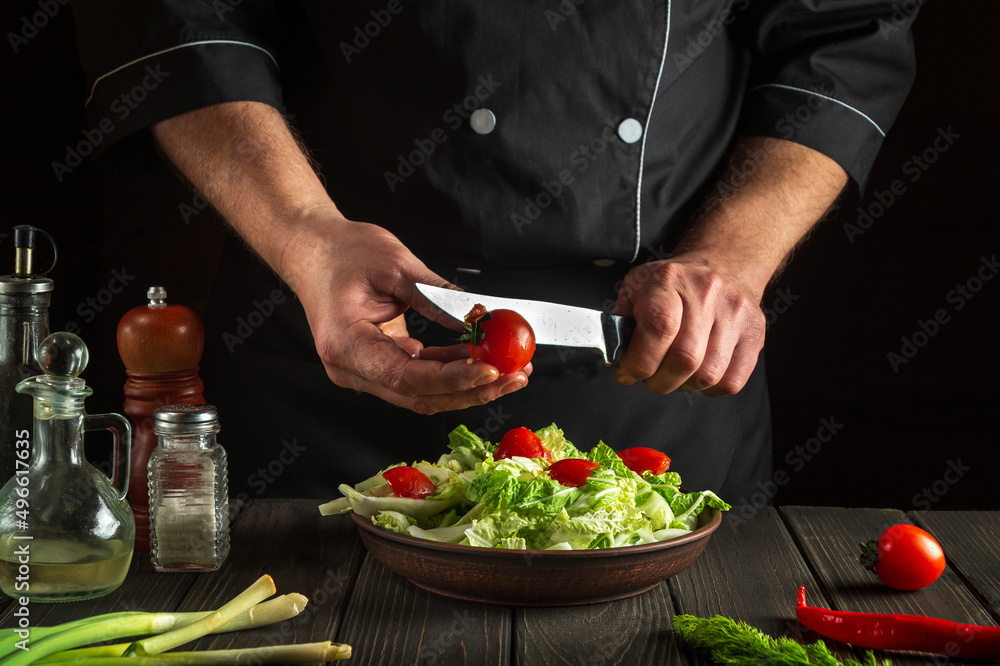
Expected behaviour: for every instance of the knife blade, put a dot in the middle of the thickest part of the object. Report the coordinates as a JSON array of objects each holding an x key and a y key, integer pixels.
[{"x": 553, "y": 323}]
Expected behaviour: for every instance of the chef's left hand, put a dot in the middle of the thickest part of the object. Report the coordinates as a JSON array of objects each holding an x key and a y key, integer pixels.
[{"x": 697, "y": 328}]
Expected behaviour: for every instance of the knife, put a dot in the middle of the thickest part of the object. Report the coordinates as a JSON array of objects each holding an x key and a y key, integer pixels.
[{"x": 553, "y": 324}]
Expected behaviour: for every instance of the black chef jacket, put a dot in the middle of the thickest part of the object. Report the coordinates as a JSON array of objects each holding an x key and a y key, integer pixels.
[{"x": 546, "y": 146}]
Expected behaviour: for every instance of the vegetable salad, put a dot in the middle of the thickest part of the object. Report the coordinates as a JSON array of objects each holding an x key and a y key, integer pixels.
[{"x": 515, "y": 503}]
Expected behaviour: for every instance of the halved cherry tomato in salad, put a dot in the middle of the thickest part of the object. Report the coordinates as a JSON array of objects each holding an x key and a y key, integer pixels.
[
  {"x": 905, "y": 557},
  {"x": 502, "y": 338},
  {"x": 641, "y": 459},
  {"x": 521, "y": 442},
  {"x": 409, "y": 482},
  {"x": 572, "y": 472}
]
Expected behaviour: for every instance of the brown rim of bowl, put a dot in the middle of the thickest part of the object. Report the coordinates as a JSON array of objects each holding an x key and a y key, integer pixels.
[{"x": 406, "y": 539}]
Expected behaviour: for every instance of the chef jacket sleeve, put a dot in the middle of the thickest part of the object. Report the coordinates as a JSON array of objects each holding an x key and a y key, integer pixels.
[
  {"x": 828, "y": 75},
  {"x": 147, "y": 61}
]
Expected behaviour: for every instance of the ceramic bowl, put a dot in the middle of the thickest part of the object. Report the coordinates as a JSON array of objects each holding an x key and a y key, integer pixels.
[{"x": 536, "y": 577}]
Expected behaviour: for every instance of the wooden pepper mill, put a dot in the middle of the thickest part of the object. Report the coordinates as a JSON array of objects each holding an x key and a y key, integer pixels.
[{"x": 161, "y": 346}]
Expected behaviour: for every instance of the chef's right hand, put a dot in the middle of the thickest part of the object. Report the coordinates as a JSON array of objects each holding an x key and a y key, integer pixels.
[{"x": 355, "y": 281}]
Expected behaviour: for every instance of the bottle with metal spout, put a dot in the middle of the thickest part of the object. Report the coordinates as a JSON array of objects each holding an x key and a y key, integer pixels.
[
  {"x": 24, "y": 323},
  {"x": 66, "y": 529}
]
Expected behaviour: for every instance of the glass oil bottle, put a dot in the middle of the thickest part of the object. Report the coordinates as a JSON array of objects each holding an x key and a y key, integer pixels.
[{"x": 66, "y": 529}]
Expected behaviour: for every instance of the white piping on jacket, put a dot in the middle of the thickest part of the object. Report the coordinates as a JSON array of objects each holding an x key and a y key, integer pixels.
[
  {"x": 826, "y": 97},
  {"x": 174, "y": 48},
  {"x": 645, "y": 133}
]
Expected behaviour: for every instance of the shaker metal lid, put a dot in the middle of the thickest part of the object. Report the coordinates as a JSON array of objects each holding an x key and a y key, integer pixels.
[
  {"x": 10, "y": 284},
  {"x": 185, "y": 417}
]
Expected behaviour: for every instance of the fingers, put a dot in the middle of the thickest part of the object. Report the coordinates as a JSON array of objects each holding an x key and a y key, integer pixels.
[
  {"x": 354, "y": 289},
  {"x": 438, "y": 379},
  {"x": 695, "y": 331},
  {"x": 741, "y": 364}
]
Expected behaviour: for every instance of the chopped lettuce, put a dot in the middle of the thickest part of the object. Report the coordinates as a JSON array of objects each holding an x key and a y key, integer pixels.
[{"x": 514, "y": 504}]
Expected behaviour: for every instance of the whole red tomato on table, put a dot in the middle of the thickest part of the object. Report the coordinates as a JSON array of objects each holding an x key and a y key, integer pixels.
[
  {"x": 502, "y": 338},
  {"x": 905, "y": 557}
]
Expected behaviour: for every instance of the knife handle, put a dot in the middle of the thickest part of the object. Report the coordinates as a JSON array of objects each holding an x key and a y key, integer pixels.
[{"x": 617, "y": 332}]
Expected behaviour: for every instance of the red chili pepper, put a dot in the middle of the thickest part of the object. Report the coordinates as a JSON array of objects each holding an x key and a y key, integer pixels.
[{"x": 885, "y": 631}]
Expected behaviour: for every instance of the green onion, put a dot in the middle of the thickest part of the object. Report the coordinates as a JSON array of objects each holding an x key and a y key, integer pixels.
[
  {"x": 267, "y": 612},
  {"x": 92, "y": 630},
  {"x": 248, "y": 598},
  {"x": 62, "y": 644},
  {"x": 305, "y": 653}
]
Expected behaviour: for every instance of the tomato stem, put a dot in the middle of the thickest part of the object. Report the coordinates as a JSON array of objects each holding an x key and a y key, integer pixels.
[
  {"x": 474, "y": 333},
  {"x": 869, "y": 554}
]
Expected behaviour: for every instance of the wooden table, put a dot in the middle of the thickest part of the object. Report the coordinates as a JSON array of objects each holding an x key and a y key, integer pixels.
[{"x": 750, "y": 571}]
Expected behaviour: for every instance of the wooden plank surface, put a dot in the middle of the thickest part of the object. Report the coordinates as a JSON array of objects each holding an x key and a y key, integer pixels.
[
  {"x": 829, "y": 538},
  {"x": 971, "y": 543},
  {"x": 391, "y": 621},
  {"x": 631, "y": 631},
  {"x": 750, "y": 571},
  {"x": 303, "y": 552}
]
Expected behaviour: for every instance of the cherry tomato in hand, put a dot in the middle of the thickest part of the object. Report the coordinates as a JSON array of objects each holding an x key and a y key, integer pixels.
[
  {"x": 521, "y": 442},
  {"x": 572, "y": 472},
  {"x": 409, "y": 482},
  {"x": 640, "y": 459},
  {"x": 905, "y": 557},
  {"x": 502, "y": 338}
]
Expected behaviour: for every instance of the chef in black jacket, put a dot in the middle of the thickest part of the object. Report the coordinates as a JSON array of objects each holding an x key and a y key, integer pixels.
[{"x": 658, "y": 159}]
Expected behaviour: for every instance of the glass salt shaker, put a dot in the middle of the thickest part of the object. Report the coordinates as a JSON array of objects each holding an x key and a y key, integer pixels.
[{"x": 188, "y": 491}]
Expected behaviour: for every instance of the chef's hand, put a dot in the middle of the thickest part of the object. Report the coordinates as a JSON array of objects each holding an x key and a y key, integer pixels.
[
  {"x": 356, "y": 282},
  {"x": 699, "y": 326},
  {"x": 697, "y": 329}
]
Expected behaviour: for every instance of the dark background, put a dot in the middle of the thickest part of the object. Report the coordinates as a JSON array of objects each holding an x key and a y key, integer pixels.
[{"x": 850, "y": 429}]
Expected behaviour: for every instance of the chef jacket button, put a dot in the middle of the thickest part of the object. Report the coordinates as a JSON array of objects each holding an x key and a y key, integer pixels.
[
  {"x": 630, "y": 130},
  {"x": 482, "y": 121},
  {"x": 604, "y": 263}
]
